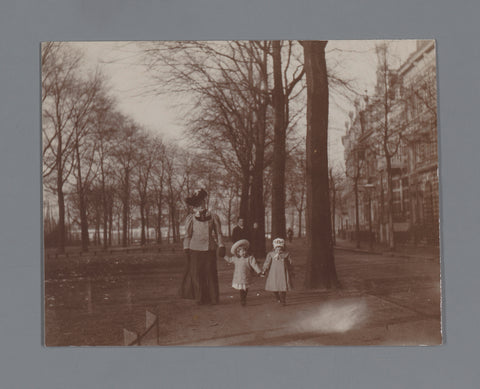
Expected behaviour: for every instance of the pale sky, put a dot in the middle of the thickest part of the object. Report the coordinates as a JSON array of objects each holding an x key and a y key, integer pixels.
[{"x": 353, "y": 60}]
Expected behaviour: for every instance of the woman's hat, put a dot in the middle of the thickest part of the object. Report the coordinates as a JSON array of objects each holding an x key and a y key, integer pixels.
[
  {"x": 279, "y": 242},
  {"x": 196, "y": 198},
  {"x": 239, "y": 243}
]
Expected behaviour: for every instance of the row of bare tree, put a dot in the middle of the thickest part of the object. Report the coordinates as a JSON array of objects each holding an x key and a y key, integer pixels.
[
  {"x": 101, "y": 163},
  {"x": 242, "y": 114},
  {"x": 248, "y": 97},
  {"x": 245, "y": 99}
]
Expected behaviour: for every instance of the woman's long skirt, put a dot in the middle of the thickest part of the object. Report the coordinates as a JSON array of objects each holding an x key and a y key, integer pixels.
[
  {"x": 204, "y": 276},
  {"x": 186, "y": 286}
]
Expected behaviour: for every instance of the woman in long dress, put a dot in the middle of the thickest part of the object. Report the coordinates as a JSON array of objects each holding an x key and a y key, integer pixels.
[{"x": 203, "y": 235}]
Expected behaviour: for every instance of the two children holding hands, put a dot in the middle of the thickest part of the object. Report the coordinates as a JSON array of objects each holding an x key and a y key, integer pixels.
[{"x": 278, "y": 264}]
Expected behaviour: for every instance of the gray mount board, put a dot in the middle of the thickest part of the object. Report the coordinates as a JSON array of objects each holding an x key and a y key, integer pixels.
[{"x": 25, "y": 363}]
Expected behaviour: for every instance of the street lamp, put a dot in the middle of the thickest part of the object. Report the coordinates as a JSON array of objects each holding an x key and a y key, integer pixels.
[{"x": 369, "y": 188}]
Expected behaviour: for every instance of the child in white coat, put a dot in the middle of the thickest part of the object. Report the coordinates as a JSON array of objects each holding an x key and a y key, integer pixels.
[
  {"x": 244, "y": 265},
  {"x": 280, "y": 271}
]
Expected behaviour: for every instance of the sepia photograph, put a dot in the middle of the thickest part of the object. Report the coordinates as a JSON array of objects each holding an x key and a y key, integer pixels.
[{"x": 240, "y": 193}]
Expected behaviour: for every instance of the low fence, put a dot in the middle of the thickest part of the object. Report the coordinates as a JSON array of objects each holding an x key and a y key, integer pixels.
[{"x": 132, "y": 338}]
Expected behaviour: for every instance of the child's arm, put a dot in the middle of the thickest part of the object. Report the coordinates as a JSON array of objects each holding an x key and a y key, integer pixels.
[
  {"x": 254, "y": 265},
  {"x": 228, "y": 259},
  {"x": 267, "y": 262}
]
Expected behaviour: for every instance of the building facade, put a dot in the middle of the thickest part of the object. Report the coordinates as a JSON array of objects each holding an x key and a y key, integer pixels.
[{"x": 391, "y": 143}]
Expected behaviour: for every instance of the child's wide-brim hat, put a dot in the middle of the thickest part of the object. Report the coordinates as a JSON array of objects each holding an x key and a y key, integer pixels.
[{"x": 239, "y": 243}]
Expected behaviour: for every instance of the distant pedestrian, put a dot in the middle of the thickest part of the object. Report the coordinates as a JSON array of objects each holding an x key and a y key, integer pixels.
[
  {"x": 280, "y": 271},
  {"x": 244, "y": 266},
  {"x": 203, "y": 237},
  {"x": 290, "y": 234},
  {"x": 239, "y": 232}
]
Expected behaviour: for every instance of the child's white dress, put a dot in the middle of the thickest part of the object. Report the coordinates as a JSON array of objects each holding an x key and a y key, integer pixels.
[{"x": 243, "y": 271}]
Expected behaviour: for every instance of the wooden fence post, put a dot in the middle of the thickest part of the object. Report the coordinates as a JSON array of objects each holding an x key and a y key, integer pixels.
[{"x": 130, "y": 337}]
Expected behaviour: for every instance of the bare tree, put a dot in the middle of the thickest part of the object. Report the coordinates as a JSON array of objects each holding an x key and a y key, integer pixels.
[
  {"x": 157, "y": 187},
  {"x": 354, "y": 171},
  {"x": 177, "y": 175},
  {"x": 126, "y": 158},
  {"x": 336, "y": 181},
  {"x": 296, "y": 183},
  {"x": 231, "y": 118},
  {"x": 389, "y": 134},
  {"x": 149, "y": 151},
  {"x": 282, "y": 90},
  {"x": 85, "y": 147},
  {"x": 60, "y": 64},
  {"x": 227, "y": 83},
  {"x": 106, "y": 123},
  {"x": 320, "y": 270}
]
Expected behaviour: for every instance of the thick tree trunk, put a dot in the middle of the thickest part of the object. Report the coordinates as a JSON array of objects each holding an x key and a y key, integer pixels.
[
  {"x": 321, "y": 272},
  {"x": 257, "y": 206},
  {"x": 279, "y": 144}
]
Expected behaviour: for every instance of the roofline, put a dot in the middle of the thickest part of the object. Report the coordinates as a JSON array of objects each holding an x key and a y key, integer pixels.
[{"x": 415, "y": 56}]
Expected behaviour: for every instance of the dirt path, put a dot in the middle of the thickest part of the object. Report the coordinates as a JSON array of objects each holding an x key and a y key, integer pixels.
[{"x": 384, "y": 300}]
